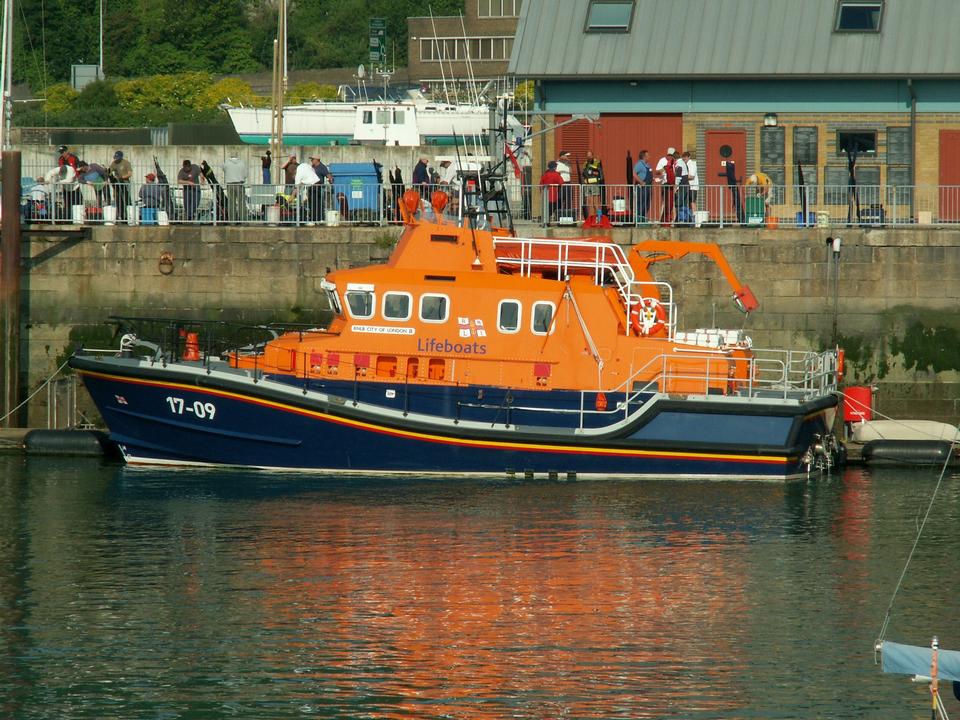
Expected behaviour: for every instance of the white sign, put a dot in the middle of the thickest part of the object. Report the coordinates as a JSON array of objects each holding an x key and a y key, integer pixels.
[{"x": 381, "y": 330}]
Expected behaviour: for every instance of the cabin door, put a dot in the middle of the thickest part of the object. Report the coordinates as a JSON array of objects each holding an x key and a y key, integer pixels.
[
  {"x": 723, "y": 146},
  {"x": 949, "y": 175}
]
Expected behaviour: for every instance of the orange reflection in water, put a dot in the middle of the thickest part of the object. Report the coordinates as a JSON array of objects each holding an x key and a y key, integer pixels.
[{"x": 486, "y": 616}]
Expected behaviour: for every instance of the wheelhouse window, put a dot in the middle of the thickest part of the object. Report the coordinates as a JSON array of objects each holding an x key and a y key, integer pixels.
[
  {"x": 610, "y": 16},
  {"x": 859, "y": 16},
  {"x": 368, "y": 117},
  {"x": 333, "y": 300},
  {"x": 541, "y": 317},
  {"x": 383, "y": 117},
  {"x": 508, "y": 316},
  {"x": 398, "y": 117},
  {"x": 360, "y": 303},
  {"x": 397, "y": 305},
  {"x": 434, "y": 308},
  {"x": 861, "y": 142}
]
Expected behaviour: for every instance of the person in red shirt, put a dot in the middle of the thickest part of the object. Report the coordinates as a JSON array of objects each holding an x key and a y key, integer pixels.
[
  {"x": 552, "y": 180},
  {"x": 67, "y": 158}
]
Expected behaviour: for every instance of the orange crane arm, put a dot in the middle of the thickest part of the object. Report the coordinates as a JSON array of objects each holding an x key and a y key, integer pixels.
[{"x": 648, "y": 252}]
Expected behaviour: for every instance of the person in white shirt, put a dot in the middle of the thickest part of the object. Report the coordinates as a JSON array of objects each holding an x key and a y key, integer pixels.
[
  {"x": 682, "y": 173},
  {"x": 448, "y": 183},
  {"x": 234, "y": 177},
  {"x": 306, "y": 183},
  {"x": 565, "y": 202},
  {"x": 694, "y": 179}
]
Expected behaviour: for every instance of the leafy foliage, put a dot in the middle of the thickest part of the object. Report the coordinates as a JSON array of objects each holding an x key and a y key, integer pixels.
[
  {"x": 164, "y": 37},
  {"x": 306, "y": 91}
]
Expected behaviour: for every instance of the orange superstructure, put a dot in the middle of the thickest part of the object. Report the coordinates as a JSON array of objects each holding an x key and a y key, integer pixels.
[{"x": 456, "y": 304}]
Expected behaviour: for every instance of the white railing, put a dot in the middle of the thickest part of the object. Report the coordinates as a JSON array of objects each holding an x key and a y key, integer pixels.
[
  {"x": 620, "y": 205},
  {"x": 606, "y": 262}
]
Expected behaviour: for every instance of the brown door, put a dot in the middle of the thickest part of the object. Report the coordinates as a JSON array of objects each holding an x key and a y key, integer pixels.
[
  {"x": 723, "y": 146},
  {"x": 949, "y": 176}
]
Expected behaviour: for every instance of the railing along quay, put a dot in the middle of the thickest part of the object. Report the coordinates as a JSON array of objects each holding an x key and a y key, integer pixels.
[{"x": 375, "y": 204}]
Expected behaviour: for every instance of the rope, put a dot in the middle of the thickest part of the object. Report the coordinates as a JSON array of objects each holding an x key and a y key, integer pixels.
[
  {"x": 936, "y": 489},
  {"x": 39, "y": 388}
]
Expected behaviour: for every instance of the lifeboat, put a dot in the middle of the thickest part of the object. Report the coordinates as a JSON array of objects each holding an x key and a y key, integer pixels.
[{"x": 475, "y": 349}]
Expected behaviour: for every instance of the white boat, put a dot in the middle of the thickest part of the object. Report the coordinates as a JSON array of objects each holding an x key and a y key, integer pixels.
[{"x": 382, "y": 122}]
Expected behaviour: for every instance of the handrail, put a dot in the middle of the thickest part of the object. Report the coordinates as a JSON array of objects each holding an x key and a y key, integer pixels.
[{"x": 609, "y": 261}]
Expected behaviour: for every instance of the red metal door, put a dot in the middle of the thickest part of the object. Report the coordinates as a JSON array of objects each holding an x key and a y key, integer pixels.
[
  {"x": 611, "y": 138},
  {"x": 949, "y": 176},
  {"x": 723, "y": 146}
]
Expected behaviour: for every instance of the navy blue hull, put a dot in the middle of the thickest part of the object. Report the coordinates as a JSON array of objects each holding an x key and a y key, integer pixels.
[{"x": 162, "y": 416}]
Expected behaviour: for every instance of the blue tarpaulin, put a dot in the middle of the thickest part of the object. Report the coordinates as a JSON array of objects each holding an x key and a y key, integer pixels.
[{"x": 915, "y": 660}]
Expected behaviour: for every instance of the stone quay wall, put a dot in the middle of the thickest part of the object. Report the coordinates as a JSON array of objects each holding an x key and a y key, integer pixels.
[{"x": 895, "y": 303}]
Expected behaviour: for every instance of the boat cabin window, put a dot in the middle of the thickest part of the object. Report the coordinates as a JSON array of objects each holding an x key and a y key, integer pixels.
[
  {"x": 541, "y": 317},
  {"x": 333, "y": 301},
  {"x": 383, "y": 117},
  {"x": 397, "y": 305},
  {"x": 434, "y": 308},
  {"x": 398, "y": 116},
  {"x": 368, "y": 117},
  {"x": 508, "y": 316},
  {"x": 361, "y": 303}
]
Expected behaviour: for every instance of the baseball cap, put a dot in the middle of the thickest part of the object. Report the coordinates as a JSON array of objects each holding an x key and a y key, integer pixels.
[
  {"x": 62, "y": 149},
  {"x": 671, "y": 151},
  {"x": 118, "y": 155},
  {"x": 564, "y": 153}
]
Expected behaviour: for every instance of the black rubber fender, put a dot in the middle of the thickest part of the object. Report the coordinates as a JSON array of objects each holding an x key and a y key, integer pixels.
[
  {"x": 907, "y": 452},
  {"x": 83, "y": 443}
]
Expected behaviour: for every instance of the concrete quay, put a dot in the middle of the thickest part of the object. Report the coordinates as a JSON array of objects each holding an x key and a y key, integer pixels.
[{"x": 895, "y": 305}]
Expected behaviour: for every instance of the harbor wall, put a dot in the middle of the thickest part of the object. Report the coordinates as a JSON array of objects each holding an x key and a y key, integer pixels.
[{"x": 896, "y": 297}]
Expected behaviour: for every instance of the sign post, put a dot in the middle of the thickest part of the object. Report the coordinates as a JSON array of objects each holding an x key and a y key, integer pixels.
[{"x": 378, "y": 41}]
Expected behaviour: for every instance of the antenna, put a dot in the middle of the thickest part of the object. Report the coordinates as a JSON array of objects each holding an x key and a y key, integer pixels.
[{"x": 436, "y": 45}]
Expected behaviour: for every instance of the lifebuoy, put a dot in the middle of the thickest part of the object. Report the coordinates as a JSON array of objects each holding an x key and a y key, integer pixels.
[{"x": 648, "y": 316}]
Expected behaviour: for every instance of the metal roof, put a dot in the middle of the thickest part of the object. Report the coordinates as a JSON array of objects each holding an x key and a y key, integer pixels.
[{"x": 737, "y": 38}]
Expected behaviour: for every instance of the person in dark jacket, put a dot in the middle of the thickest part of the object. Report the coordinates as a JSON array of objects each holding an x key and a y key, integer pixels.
[{"x": 421, "y": 178}]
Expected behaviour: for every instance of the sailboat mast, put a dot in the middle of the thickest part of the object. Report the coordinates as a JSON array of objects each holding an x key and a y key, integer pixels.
[{"x": 6, "y": 74}]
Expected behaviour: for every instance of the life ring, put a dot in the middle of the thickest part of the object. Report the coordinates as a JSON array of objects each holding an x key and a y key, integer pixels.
[{"x": 648, "y": 317}]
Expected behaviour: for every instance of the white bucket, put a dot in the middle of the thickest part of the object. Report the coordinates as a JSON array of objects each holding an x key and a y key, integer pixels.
[
  {"x": 78, "y": 214},
  {"x": 823, "y": 219},
  {"x": 619, "y": 205},
  {"x": 273, "y": 214},
  {"x": 132, "y": 214},
  {"x": 333, "y": 217},
  {"x": 109, "y": 214},
  {"x": 702, "y": 216},
  {"x": 162, "y": 217}
]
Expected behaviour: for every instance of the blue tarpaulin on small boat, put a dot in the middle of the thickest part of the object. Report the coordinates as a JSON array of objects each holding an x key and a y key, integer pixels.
[{"x": 915, "y": 660}]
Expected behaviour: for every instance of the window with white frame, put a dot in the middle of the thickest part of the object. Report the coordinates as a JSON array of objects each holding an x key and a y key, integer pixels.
[
  {"x": 434, "y": 308},
  {"x": 361, "y": 303},
  {"x": 508, "y": 316},
  {"x": 541, "y": 317},
  {"x": 499, "y": 8},
  {"x": 397, "y": 305}
]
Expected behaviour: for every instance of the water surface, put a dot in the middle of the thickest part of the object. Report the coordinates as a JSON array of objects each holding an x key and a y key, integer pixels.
[{"x": 184, "y": 594}]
